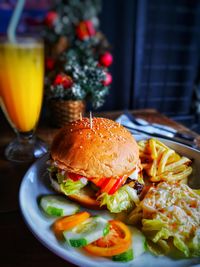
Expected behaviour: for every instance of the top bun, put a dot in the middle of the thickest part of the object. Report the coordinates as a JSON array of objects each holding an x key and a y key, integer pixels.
[{"x": 105, "y": 150}]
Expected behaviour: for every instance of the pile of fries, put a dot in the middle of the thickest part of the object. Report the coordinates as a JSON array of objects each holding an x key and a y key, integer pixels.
[{"x": 161, "y": 163}]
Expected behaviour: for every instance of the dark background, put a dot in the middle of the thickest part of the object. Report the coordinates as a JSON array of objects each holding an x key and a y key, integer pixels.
[
  {"x": 155, "y": 44},
  {"x": 156, "y": 51}
]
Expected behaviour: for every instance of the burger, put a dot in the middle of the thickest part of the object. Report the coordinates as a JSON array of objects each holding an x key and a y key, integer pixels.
[{"x": 96, "y": 163}]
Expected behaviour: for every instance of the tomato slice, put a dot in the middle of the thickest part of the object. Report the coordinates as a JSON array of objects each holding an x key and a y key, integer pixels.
[
  {"x": 98, "y": 181},
  {"x": 74, "y": 176},
  {"x": 109, "y": 185},
  {"x": 117, "y": 184},
  {"x": 117, "y": 241},
  {"x": 106, "y": 187},
  {"x": 68, "y": 222}
]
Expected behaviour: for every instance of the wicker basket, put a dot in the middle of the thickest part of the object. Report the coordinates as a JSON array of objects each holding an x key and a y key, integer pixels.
[{"x": 64, "y": 111}]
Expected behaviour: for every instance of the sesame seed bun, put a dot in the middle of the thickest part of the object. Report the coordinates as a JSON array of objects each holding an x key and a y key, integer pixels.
[{"x": 103, "y": 149}]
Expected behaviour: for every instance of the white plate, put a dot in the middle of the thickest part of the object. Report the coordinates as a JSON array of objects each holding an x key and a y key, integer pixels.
[{"x": 35, "y": 183}]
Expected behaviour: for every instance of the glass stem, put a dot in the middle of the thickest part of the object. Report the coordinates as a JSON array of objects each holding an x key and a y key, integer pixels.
[{"x": 26, "y": 137}]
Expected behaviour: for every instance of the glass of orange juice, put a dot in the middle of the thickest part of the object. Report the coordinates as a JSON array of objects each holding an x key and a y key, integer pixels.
[{"x": 21, "y": 94}]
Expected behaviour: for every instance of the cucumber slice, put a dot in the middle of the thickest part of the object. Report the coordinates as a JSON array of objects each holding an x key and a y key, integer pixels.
[
  {"x": 124, "y": 257},
  {"x": 87, "y": 232},
  {"x": 58, "y": 206},
  {"x": 139, "y": 244}
]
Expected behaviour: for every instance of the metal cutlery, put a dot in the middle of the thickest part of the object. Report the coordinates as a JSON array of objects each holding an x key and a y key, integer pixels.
[
  {"x": 164, "y": 130},
  {"x": 134, "y": 130}
]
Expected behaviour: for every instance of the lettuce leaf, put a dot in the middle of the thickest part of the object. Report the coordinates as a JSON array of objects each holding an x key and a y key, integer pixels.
[
  {"x": 194, "y": 244},
  {"x": 151, "y": 225},
  {"x": 52, "y": 168},
  {"x": 70, "y": 187},
  {"x": 181, "y": 245},
  {"x": 125, "y": 198},
  {"x": 67, "y": 186},
  {"x": 197, "y": 191},
  {"x": 159, "y": 248},
  {"x": 158, "y": 232},
  {"x": 60, "y": 177},
  {"x": 164, "y": 233}
]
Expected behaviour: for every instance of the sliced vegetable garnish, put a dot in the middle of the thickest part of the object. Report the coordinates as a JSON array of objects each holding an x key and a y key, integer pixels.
[
  {"x": 69, "y": 222},
  {"x": 87, "y": 232},
  {"x": 109, "y": 185},
  {"x": 58, "y": 206},
  {"x": 117, "y": 241},
  {"x": 115, "y": 186},
  {"x": 124, "y": 257},
  {"x": 139, "y": 244},
  {"x": 74, "y": 176}
]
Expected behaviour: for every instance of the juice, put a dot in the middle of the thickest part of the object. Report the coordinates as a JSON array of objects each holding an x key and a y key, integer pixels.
[{"x": 21, "y": 83}]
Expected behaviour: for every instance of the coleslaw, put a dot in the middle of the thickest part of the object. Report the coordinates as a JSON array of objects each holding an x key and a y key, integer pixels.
[{"x": 171, "y": 217}]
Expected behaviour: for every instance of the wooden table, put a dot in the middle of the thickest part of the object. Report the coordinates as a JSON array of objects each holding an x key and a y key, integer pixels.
[{"x": 18, "y": 247}]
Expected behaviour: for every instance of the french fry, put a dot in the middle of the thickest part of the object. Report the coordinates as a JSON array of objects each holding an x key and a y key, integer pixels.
[
  {"x": 152, "y": 146},
  {"x": 162, "y": 177},
  {"x": 181, "y": 175},
  {"x": 160, "y": 153},
  {"x": 163, "y": 160},
  {"x": 179, "y": 168},
  {"x": 153, "y": 169},
  {"x": 146, "y": 166},
  {"x": 162, "y": 163},
  {"x": 183, "y": 160},
  {"x": 155, "y": 179},
  {"x": 160, "y": 144},
  {"x": 184, "y": 180},
  {"x": 174, "y": 157}
]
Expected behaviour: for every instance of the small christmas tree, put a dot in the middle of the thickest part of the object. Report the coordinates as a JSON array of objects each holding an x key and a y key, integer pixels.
[{"x": 78, "y": 54}]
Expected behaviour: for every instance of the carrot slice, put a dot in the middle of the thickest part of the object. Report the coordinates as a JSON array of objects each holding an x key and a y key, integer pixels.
[{"x": 68, "y": 222}]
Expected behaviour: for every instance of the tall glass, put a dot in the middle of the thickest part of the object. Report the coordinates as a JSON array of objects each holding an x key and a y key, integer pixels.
[{"x": 21, "y": 93}]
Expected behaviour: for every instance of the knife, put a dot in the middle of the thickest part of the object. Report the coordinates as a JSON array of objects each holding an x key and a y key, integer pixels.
[
  {"x": 171, "y": 131},
  {"x": 135, "y": 130}
]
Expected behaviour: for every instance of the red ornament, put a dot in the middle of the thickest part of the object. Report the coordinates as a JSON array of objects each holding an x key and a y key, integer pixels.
[
  {"x": 106, "y": 59},
  {"x": 85, "y": 30},
  {"x": 108, "y": 79},
  {"x": 50, "y": 18},
  {"x": 64, "y": 80},
  {"x": 49, "y": 63}
]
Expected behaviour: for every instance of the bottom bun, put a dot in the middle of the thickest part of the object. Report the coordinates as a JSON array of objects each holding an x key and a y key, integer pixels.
[{"x": 86, "y": 196}]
